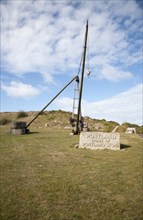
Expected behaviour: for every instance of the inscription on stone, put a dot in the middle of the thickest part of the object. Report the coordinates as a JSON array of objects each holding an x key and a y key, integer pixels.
[{"x": 99, "y": 140}]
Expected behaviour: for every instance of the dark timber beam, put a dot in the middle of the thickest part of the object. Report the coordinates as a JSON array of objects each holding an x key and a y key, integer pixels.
[
  {"x": 50, "y": 102},
  {"x": 77, "y": 130}
]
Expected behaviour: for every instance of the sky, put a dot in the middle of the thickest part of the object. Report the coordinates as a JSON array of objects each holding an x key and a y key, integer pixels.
[{"x": 41, "y": 46}]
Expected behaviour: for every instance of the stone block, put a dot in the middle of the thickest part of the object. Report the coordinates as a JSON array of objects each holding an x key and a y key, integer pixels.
[
  {"x": 130, "y": 131},
  {"x": 99, "y": 140},
  {"x": 17, "y": 131},
  {"x": 18, "y": 125}
]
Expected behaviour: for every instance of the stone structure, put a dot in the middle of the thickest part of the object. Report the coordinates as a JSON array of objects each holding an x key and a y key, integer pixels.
[
  {"x": 131, "y": 131},
  {"x": 99, "y": 140},
  {"x": 18, "y": 128}
]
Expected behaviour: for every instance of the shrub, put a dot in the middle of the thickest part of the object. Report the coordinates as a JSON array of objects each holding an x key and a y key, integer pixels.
[
  {"x": 140, "y": 130},
  {"x": 22, "y": 114},
  {"x": 4, "y": 121}
]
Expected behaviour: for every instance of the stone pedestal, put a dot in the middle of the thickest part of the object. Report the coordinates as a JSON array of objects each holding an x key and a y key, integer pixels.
[
  {"x": 17, "y": 131},
  {"x": 18, "y": 128},
  {"x": 99, "y": 140}
]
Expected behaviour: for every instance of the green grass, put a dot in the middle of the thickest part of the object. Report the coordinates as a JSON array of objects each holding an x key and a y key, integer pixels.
[{"x": 43, "y": 176}]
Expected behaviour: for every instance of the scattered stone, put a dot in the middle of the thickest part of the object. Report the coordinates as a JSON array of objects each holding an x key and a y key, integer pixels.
[
  {"x": 76, "y": 145},
  {"x": 67, "y": 127},
  {"x": 72, "y": 133},
  {"x": 99, "y": 127}
]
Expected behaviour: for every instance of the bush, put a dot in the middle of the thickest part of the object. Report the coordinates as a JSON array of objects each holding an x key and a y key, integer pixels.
[
  {"x": 22, "y": 114},
  {"x": 4, "y": 121},
  {"x": 140, "y": 130}
]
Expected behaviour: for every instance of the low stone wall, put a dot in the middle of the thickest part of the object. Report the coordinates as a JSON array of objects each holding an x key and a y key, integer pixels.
[{"x": 99, "y": 140}]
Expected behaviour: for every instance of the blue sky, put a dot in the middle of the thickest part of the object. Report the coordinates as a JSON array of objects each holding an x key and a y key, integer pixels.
[{"x": 41, "y": 46}]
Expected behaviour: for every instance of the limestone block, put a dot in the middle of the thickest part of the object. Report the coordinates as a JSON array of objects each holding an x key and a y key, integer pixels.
[
  {"x": 99, "y": 140},
  {"x": 17, "y": 131},
  {"x": 131, "y": 131},
  {"x": 18, "y": 124}
]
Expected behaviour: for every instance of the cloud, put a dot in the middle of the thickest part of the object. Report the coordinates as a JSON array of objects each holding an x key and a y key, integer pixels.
[
  {"x": 20, "y": 90},
  {"x": 64, "y": 103},
  {"x": 112, "y": 73},
  {"x": 126, "y": 106},
  {"x": 48, "y": 78},
  {"x": 128, "y": 9},
  {"x": 47, "y": 37}
]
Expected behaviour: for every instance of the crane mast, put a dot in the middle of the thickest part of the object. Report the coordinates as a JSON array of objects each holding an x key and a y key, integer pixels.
[{"x": 77, "y": 129}]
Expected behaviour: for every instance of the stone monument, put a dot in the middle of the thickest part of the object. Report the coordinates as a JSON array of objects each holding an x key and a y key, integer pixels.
[{"x": 99, "y": 140}]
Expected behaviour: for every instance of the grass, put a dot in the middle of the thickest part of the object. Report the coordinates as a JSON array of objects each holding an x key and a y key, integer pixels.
[
  {"x": 43, "y": 176},
  {"x": 4, "y": 121}
]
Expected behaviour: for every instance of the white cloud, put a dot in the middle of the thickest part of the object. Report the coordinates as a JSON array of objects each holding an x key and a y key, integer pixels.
[
  {"x": 64, "y": 103},
  {"x": 112, "y": 73},
  {"x": 128, "y": 9},
  {"x": 18, "y": 89},
  {"x": 48, "y": 78},
  {"x": 47, "y": 36},
  {"x": 126, "y": 106}
]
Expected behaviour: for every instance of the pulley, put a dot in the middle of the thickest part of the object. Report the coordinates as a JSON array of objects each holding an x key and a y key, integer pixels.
[{"x": 88, "y": 72}]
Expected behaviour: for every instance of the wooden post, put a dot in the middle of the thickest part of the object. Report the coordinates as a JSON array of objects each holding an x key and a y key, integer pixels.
[{"x": 77, "y": 130}]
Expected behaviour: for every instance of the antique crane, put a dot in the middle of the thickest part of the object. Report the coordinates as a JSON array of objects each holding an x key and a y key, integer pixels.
[{"x": 79, "y": 82}]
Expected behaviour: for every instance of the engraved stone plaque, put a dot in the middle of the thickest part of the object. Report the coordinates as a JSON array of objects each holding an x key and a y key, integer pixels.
[{"x": 99, "y": 140}]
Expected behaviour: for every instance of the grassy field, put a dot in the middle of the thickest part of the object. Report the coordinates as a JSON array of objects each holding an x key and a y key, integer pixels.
[{"x": 43, "y": 177}]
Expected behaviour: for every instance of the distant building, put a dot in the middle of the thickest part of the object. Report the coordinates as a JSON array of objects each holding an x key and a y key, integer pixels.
[{"x": 130, "y": 131}]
